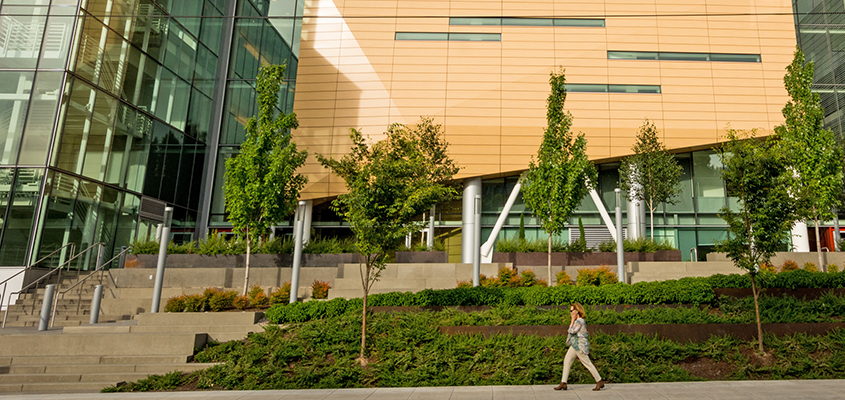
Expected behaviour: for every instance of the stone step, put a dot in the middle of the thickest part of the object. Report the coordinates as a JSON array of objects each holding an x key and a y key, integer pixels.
[
  {"x": 70, "y": 387},
  {"x": 104, "y": 368},
  {"x": 65, "y": 317},
  {"x": 139, "y": 344},
  {"x": 91, "y": 360},
  {"x": 220, "y": 333},
  {"x": 200, "y": 318}
]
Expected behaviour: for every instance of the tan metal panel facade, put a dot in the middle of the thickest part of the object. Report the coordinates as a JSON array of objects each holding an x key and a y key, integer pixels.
[{"x": 490, "y": 95}]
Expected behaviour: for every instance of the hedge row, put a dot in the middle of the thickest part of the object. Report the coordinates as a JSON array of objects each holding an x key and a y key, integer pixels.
[
  {"x": 787, "y": 280},
  {"x": 682, "y": 291}
]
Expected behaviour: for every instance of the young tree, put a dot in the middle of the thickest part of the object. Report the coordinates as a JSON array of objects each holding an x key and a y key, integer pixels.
[
  {"x": 756, "y": 173},
  {"x": 563, "y": 174},
  {"x": 651, "y": 175},
  {"x": 261, "y": 184},
  {"x": 814, "y": 156},
  {"x": 390, "y": 183}
]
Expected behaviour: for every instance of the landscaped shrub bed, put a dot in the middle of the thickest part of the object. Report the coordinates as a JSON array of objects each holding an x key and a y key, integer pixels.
[
  {"x": 789, "y": 279},
  {"x": 407, "y": 349},
  {"x": 725, "y": 310}
]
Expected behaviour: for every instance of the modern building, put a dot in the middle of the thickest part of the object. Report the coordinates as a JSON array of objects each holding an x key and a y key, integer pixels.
[{"x": 111, "y": 110}]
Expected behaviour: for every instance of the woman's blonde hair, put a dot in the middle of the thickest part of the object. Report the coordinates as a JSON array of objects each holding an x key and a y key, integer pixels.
[{"x": 578, "y": 307}]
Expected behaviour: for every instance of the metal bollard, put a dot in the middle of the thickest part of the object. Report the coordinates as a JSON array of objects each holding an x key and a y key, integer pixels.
[
  {"x": 46, "y": 307},
  {"x": 95, "y": 305}
]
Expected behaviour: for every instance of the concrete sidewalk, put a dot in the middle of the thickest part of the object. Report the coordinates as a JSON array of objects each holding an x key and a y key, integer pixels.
[{"x": 805, "y": 389}]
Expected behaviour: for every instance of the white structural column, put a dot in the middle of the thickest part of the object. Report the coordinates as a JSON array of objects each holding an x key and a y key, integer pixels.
[
  {"x": 636, "y": 219},
  {"x": 800, "y": 240},
  {"x": 430, "y": 238},
  {"x": 487, "y": 247},
  {"x": 472, "y": 187},
  {"x": 306, "y": 222}
]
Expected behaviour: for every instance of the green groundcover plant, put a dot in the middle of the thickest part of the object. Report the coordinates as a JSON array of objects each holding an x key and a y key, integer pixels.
[{"x": 407, "y": 349}]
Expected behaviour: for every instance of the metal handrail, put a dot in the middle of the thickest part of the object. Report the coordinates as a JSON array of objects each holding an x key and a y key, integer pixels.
[
  {"x": 28, "y": 267},
  {"x": 99, "y": 268},
  {"x": 692, "y": 251},
  {"x": 45, "y": 276}
]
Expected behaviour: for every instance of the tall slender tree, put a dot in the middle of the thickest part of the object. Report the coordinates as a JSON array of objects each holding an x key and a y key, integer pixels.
[
  {"x": 390, "y": 184},
  {"x": 261, "y": 184},
  {"x": 757, "y": 174},
  {"x": 562, "y": 174},
  {"x": 651, "y": 175},
  {"x": 814, "y": 155}
]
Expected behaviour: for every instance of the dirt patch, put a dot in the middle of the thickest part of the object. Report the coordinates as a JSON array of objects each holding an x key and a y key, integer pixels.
[
  {"x": 758, "y": 360},
  {"x": 707, "y": 368}
]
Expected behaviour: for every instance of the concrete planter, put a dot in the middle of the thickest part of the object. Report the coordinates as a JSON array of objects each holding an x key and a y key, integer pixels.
[
  {"x": 422, "y": 257},
  {"x": 596, "y": 258},
  {"x": 238, "y": 260}
]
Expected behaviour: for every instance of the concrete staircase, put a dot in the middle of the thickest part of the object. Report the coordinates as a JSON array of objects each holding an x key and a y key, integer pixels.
[
  {"x": 74, "y": 308},
  {"x": 90, "y": 358}
]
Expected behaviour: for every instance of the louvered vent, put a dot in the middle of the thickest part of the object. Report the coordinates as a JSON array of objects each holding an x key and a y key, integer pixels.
[{"x": 152, "y": 209}]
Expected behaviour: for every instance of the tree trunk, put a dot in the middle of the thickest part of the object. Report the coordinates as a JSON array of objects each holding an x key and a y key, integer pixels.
[
  {"x": 819, "y": 246},
  {"x": 755, "y": 292},
  {"x": 651, "y": 223},
  {"x": 362, "y": 360},
  {"x": 550, "y": 259},
  {"x": 246, "y": 274}
]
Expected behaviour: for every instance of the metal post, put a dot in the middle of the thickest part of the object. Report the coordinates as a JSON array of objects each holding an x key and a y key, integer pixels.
[
  {"x": 162, "y": 258},
  {"x": 620, "y": 242},
  {"x": 46, "y": 307},
  {"x": 297, "y": 251},
  {"x": 430, "y": 241},
  {"x": 95, "y": 305},
  {"x": 121, "y": 261},
  {"x": 476, "y": 242},
  {"x": 835, "y": 229},
  {"x": 306, "y": 222}
]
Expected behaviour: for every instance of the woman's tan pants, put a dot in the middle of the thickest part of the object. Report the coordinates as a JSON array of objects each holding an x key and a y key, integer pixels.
[{"x": 585, "y": 359}]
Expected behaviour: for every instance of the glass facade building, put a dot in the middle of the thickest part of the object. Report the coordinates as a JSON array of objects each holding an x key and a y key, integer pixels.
[{"x": 112, "y": 109}]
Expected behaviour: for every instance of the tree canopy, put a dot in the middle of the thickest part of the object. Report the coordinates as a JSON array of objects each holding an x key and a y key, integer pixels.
[
  {"x": 562, "y": 173},
  {"x": 261, "y": 183},
  {"x": 757, "y": 174},
  {"x": 389, "y": 184},
  {"x": 651, "y": 174},
  {"x": 813, "y": 153}
]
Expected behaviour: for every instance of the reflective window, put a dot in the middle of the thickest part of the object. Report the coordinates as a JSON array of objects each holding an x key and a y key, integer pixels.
[
  {"x": 709, "y": 186},
  {"x": 476, "y": 37},
  {"x": 480, "y": 37},
  {"x": 631, "y": 55},
  {"x": 598, "y": 88},
  {"x": 675, "y": 56},
  {"x": 15, "y": 88},
  {"x": 42, "y": 115},
  {"x": 422, "y": 36},
  {"x": 493, "y": 21},
  {"x": 20, "y": 211},
  {"x": 20, "y": 36},
  {"x": 57, "y": 37}
]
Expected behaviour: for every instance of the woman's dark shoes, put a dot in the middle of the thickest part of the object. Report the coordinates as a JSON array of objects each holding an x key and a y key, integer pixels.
[
  {"x": 562, "y": 386},
  {"x": 599, "y": 385}
]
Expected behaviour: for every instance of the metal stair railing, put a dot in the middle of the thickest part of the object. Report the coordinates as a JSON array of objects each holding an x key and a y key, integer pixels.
[
  {"x": 100, "y": 268},
  {"x": 48, "y": 275},
  {"x": 5, "y": 283}
]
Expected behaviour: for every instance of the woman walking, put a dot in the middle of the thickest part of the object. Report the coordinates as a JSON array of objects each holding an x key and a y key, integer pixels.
[{"x": 579, "y": 346}]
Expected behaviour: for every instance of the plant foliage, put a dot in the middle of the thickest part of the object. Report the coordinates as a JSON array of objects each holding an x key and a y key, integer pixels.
[{"x": 261, "y": 183}]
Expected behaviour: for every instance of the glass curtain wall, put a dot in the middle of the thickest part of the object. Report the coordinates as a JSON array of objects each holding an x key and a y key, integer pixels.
[
  {"x": 692, "y": 222},
  {"x": 35, "y": 38},
  {"x": 265, "y": 33},
  {"x": 820, "y": 28}
]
